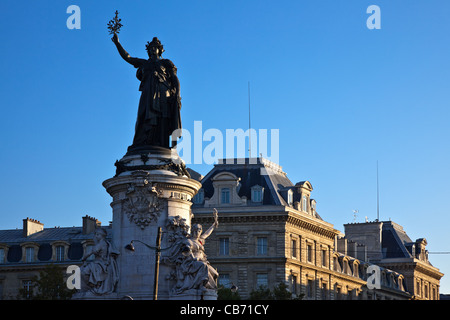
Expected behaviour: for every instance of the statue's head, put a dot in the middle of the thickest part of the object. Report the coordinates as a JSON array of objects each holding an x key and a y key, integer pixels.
[
  {"x": 99, "y": 234},
  {"x": 196, "y": 230},
  {"x": 154, "y": 48}
]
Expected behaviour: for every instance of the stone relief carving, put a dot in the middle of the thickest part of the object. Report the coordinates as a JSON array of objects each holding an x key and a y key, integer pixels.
[
  {"x": 193, "y": 272},
  {"x": 100, "y": 275},
  {"x": 143, "y": 203}
]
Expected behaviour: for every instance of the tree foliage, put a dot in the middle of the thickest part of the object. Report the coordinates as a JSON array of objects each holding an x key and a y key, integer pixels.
[
  {"x": 49, "y": 285},
  {"x": 279, "y": 292}
]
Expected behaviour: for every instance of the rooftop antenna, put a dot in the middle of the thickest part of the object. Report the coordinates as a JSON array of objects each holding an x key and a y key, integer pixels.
[
  {"x": 354, "y": 215},
  {"x": 249, "y": 126},
  {"x": 378, "y": 197}
]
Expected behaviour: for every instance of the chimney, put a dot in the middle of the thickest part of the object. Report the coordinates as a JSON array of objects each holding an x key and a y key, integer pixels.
[
  {"x": 90, "y": 224},
  {"x": 361, "y": 252},
  {"x": 31, "y": 226},
  {"x": 342, "y": 245}
]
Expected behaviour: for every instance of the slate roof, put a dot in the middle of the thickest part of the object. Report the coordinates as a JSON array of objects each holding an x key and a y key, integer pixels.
[
  {"x": 47, "y": 235},
  {"x": 255, "y": 172},
  {"x": 73, "y": 235},
  {"x": 395, "y": 242},
  {"x": 250, "y": 175}
]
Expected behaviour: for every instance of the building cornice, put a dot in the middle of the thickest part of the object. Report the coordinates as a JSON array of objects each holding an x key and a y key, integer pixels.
[{"x": 258, "y": 214}]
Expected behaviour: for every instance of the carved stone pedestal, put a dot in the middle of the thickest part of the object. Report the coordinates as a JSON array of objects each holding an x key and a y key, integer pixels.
[
  {"x": 195, "y": 294},
  {"x": 149, "y": 190}
]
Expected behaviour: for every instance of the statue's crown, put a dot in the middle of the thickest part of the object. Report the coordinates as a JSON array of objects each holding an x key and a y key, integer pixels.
[{"x": 155, "y": 43}]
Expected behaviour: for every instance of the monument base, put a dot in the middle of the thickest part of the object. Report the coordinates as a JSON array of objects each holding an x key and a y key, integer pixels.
[
  {"x": 150, "y": 191},
  {"x": 194, "y": 294},
  {"x": 87, "y": 295}
]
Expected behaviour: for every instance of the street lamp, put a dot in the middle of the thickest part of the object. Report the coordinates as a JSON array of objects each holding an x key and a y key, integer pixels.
[{"x": 130, "y": 247}]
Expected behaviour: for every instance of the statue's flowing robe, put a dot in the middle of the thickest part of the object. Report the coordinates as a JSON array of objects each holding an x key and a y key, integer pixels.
[{"x": 159, "y": 110}]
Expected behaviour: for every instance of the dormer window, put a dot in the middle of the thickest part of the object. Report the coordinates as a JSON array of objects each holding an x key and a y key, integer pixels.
[
  {"x": 226, "y": 191},
  {"x": 3, "y": 253},
  {"x": 290, "y": 197},
  {"x": 304, "y": 204},
  {"x": 199, "y": 197},
  {"x": 257, "y": 194},
  {"x": 29, "y": 251},
  {"x": 59, "y": 252},
  {"x": 225, "y": 195},
  {"x": 313, "y": 207},
  {"x": 29, "y": 254}
]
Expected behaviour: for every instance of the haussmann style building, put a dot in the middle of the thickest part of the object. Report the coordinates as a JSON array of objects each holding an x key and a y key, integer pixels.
[{"x": 271, "y": 232}]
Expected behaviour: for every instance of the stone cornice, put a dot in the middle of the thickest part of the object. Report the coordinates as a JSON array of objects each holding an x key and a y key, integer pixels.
[
  {"x": 312, "y": 226},
  {"x": 262, "y": 217},
  {"x": 238, "y": 218},
  {"x": 414, "y": 265}
]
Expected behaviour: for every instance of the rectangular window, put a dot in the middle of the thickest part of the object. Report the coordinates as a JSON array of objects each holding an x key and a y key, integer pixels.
[
  {"x": 262, "y": 280},
  {"x": 309, "y": 253},
  {"x": 262, "y": 246},
  {"x": 2, "y": 255},
  {"x": 305, "y": 204},
  {"x": 59, "y": 253},
  {"x": 324, "y": 291},
  {"x": 29, "y": 254},
  {"x": 310, "y": 288},
  {"x": 294, "y": 284},
  {"x": 324, "y": 258},
  {"x": 225, "y": 195},
  {"x": 294, "y": 248},
  {"x": 27, "y": 286},
  {"x": 290, "y": 198},
  {"x": 224, "y": 246},
  {"x": 338, "y": 293},
  {"x": 199, "y": 197},
  {"x": 256, "y": 195}
]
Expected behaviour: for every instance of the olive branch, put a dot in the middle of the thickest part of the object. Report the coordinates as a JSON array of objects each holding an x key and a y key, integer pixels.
[{"x": 114, "y": 25}]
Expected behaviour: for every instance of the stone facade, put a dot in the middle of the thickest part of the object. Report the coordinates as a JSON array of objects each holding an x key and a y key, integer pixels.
[
  {"x": 270, "y": 232},
  {"x": 389, "y": 246},
  {"x": 23, "y": 253}
]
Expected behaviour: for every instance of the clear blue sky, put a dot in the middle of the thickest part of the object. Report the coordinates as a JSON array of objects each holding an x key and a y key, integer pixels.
[{"x": 342, "y": 96}]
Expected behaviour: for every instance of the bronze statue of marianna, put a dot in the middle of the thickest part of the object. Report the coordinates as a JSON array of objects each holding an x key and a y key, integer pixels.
[{"x": 160, "y": 103}]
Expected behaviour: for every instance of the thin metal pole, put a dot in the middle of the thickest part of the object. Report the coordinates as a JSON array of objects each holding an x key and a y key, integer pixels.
[
  {"x": 157, "y": 258},
  {"x": 378, "y": 197},
  {"x": 249, "y": 126}
]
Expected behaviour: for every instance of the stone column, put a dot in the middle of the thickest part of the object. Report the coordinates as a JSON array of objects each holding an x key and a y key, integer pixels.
[{"x": 147, "y": 190}]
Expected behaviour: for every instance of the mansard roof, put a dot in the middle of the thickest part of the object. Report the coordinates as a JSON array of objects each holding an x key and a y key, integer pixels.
[
  {"x": 396, "y": 243},
  {"x": 255, "y": 172},
  {"x": 69, "y": 234}
]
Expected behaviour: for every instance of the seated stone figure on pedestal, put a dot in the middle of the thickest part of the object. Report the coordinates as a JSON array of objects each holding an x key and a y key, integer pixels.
[
  {"x": 194, "y": 274},
  {"x": 100, "y": 275},
  {"x": 160, "y": 103}
]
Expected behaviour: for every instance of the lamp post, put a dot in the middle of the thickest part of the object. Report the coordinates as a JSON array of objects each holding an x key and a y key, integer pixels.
[{"x": 157, "y": 259}]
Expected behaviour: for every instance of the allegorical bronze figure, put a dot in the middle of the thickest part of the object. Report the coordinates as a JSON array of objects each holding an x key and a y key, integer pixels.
[{"x": 160, "y": 103}]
